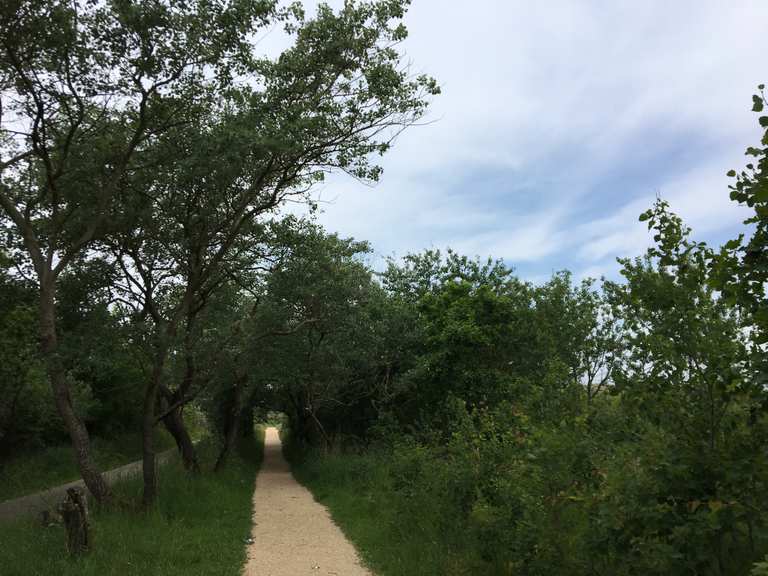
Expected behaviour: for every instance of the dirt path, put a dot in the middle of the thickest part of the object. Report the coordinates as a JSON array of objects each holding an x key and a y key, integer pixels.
[
  {"x": 292, "y": 534},
  {"x": 47, "y": 500}
]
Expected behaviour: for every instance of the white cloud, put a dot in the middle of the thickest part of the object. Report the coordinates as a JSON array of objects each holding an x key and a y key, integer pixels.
[
  {"x": 699, "y": 197},
  {"x": 560, "y": 95}
]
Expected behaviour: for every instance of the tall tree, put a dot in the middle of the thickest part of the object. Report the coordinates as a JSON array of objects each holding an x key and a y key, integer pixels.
[
  {"x": 336, "y": 96},
  {"x": 86, "y": 89},
  {"x": 90, "y": 92},
  {"x": 320, "y": 291}
]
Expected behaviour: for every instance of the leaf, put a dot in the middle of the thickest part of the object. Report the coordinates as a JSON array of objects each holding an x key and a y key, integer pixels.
[
  {"x": 730, "y": 173},
  {"x": 763, "y": 121},
  {"x": 715, "y": 505},
  {"x": 761, "y": 194},
  {"x": 757, "y": 103}
]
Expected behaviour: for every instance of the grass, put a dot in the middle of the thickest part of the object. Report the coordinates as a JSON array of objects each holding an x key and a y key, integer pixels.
[
  {"x": 37, "y": 470},
  {"x": 197, "y": 528},
  {"x": 397, "y": 532}
]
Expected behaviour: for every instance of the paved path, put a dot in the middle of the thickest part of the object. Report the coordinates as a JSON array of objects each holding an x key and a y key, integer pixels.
[
  {"x": 49, "y": 499},
  {"x": 292, "y": 534}
]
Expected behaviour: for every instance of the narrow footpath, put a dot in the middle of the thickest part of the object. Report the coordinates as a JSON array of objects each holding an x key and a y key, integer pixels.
[{"x": 292, "y": 534}]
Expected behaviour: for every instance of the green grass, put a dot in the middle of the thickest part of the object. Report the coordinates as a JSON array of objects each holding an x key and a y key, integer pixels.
[
  {"x": 397, "y": 532},
  {"x": 34, "y": 471},
  {"x": 198, "y": 527}
]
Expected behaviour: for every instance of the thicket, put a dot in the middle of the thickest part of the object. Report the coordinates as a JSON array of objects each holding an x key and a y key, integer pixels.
[{"x": 474, "y": 423}]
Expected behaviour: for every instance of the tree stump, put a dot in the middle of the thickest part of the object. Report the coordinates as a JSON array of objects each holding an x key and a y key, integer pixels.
[{"x": 74, "y": 512}]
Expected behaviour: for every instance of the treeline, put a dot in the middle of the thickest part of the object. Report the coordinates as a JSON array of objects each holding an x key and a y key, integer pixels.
[
  {"x": 146, "y": 272},
  {"x": 146, "y": 149},
  {"x": 474, "y": 423}
]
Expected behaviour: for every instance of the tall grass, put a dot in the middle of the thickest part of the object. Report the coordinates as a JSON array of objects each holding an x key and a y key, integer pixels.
[
  {"x": 400, "y": 508},
  {"x": 197, "y": 528}
]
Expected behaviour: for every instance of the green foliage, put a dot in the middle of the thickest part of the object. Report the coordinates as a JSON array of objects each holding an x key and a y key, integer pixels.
[
  {"x": 318, "y": 307},
  {"x": 760, "y": 568},
  {"x": 686, "y": 381},
  {"x": 457, "y": 419},
  {"x": 558, "y": 428},
  {"x": 491, "y": 500},
  {"x": 148, "y": 147},
  {"x": 101, "y": 369},
  {"x": 739, "y": 269},
  {"x": 26, "y": 411}
]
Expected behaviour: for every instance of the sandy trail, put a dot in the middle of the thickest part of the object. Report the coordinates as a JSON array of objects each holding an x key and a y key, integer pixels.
[{"x": 292, "y": 534}]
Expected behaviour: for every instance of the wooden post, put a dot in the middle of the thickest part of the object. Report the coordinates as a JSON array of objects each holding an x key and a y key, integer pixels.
[{"x": 74, "y": 512}]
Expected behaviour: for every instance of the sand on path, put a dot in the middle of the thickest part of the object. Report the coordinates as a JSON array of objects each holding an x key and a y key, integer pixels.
[{"x": 292, "y": 534}]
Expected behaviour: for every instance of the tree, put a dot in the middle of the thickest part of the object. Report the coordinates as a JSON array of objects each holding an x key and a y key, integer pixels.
[
  {"x": 327, "y": 103},
  {"x": 317, "y": 298},
  {"x": 22, "y": 408},
  {"x": 473, "y": 320},
  {"x": 686, "y": 485},
  {"x": 576, "y": 329},
  {"x": 87, "y": 88},
  {"x": 136, "y": 112},
  {"x": 740, "y": 269}
]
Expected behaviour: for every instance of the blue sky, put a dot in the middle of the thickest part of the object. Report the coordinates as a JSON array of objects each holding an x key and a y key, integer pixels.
[{"x": 559, "y": 122}]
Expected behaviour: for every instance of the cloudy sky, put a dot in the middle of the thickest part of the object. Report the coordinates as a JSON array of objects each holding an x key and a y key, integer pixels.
[{"x": 559, "y": 122}]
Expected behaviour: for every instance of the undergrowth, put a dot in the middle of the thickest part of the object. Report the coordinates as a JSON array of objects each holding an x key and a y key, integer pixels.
[{"x": 400, "y": 508}]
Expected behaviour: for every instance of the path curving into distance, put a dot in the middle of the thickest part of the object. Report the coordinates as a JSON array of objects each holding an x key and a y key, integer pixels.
[{"x": 292, "y": 534}]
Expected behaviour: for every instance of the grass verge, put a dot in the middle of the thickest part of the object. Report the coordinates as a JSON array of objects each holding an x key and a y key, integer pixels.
[
  {"x": 197, "y": 528},
  {"x": 400, "y": 522},
  {"x": 34, "y": 471}
]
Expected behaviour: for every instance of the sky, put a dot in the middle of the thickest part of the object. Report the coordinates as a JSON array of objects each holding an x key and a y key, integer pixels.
[{"x": 559, "y": 122}]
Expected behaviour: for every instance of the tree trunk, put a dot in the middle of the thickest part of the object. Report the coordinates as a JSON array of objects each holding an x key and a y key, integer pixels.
[
  {"x": 149, "y": 464},
  {"x": 232, "y": 423},
  {"x": 300, "y": 423},
  {"x": 321, "y": 430},
  {"x": 78, "y": 433},
  {"x": 74, "y": 512},
  {"x": 174, "y": 423},
  {"x": 246, "y": 421}
]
